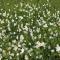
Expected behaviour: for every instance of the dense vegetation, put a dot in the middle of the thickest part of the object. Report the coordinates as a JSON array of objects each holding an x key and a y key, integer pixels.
[{"x": 29, "y": 30}]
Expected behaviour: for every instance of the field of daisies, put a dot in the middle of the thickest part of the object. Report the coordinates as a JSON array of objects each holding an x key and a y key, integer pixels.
[{"x": 29, "y": 30}]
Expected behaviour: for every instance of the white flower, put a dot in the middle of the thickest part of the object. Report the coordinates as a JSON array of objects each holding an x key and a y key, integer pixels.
[
  {"x": 12, "y": 54},
  {"x": 17, "y": 37},
  {"x": 44, "y": 22},
  {"x": 8, "y": 14},
  {"x": 9, "y": 28},
  {"x": 0, "y": 49},
  {"x": 39, "y": 44},
  {"x": 15, "y": 48},
  {"x": 21, "y": 4},
  {"x": 25, "y": 28},
  {"x": 20, "y": 17},
  {"x": 14, "y": 41},
  {"x": 17, "y": 54},
  {"x": 52, "y": 50},
  {"x": 39, "y": 23},
  {"x": 30, "y": 50},
  {"x": 15, "y": 15},
  {"x": 12, "y": 20},
  {"x": 31, "y": 32},
  {"x": 48, "y": 12},
  {"x": 51, "y": 23},
  {"x": 7, "y": 3},
  {"x": 4, "y": 14},
  {"x": 22, "y": 26},
  {"x": 45, "y": 25},
  {"x": 15, "y": 24},
  {"x": 58, "y": 12},
  {"x": 26, "y": 57},
  {"x": 50, "y": 37},
  {"x": 19, "y": 29},
  {"x": 22, "y": 51},
  {"x": 38, "y": 30},
  {"x": 2, "y": 21},
  {"x": 21, "y": 37},
  {"x": 14, "y": 32},
  {"x": 47, "y": 0},
  {"x": 19, "y": 44},
  {"x": 39, "y": 36},
  {"x": 58, "y": 48}
]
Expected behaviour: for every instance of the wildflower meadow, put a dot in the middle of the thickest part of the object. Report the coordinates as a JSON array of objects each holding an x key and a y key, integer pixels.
[{"x": 29, "y": 30}]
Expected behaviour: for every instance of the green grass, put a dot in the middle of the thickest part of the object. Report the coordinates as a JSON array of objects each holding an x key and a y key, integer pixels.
[
  {"x": 30, "y": 31},
  {"x": 3, "y": 3}
]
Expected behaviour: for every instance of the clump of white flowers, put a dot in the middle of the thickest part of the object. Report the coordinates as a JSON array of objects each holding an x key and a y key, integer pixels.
[
  {"x": 58, "y": 48},
  {"x": 40, "y": 44}
]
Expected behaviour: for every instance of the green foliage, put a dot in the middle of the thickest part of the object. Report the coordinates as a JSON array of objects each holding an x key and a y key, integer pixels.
[{"x": 29, "y": 30}]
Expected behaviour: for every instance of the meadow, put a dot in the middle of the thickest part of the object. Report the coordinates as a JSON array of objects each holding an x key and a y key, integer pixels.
[{"x": 29, "y": 29}]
